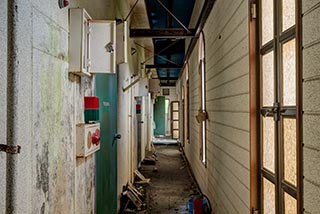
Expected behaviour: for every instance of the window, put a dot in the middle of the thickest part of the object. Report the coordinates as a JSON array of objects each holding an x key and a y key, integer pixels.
[
  {"x": 202, "y": 113},
  {"x": 278, "y": 79},
  {"x": 166, "y": 91}
]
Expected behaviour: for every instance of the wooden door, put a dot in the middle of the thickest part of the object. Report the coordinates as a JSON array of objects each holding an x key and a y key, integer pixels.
[{"x": 175, "y": 121}]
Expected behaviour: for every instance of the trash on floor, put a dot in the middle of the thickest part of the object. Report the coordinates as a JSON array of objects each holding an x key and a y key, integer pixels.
[
  {"x": 149, "y": 161},
  {"x": 199, "y": 204},
  {"x": 140, "y": 178},
  {"x": 133, "y": 199}
]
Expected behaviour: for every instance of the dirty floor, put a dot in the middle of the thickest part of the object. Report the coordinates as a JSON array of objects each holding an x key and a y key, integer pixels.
[{"x": 171, "y": 182}]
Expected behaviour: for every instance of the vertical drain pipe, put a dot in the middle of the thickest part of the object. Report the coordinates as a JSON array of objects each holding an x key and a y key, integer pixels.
[{"x": 12, "y": 99}]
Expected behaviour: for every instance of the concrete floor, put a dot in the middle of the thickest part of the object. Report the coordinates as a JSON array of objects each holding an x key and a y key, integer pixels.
[{"x": 171, "y": 183}]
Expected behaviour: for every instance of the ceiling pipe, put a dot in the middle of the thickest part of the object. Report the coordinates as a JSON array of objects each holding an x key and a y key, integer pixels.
[
  {"x": 12, "y": 99},
  {"x": 131, "y": 84},
  {"x": 205, "y": 12}
]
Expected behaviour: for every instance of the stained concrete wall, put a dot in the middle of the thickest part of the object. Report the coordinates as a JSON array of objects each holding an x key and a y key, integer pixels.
[
  {"x": 225, "y": 178},
  {"x": 50, "y": 104},
  {"x": 23, "y": 174},
  {"x": 311, "y": 104}
]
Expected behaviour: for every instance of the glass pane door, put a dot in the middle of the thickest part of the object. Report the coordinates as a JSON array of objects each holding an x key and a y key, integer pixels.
[
  {"x": 278, "y": 107},
  {"x": 175, "y": 123}
]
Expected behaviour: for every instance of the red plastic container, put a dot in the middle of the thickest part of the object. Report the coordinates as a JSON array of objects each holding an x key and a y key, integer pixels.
[{"x": 91, "y": 102}]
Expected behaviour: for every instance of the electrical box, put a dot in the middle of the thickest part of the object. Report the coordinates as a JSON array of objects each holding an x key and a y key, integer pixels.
[
  {"x": 122, "y": 42},
  {"x": 92, "y": 44},
  {"x": 88, "y": 139}
]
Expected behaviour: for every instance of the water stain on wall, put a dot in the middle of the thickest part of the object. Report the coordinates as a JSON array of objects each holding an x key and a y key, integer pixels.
[{"x": 43, "y": 169}]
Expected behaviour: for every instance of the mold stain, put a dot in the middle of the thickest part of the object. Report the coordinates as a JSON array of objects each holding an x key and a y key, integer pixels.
[
  {"x": 43, "y": 170},
  {"x": 43, "y": 208},
  {"x": 55, "y": 160}
]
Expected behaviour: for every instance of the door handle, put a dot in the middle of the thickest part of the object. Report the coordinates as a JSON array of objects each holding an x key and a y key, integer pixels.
[
  {"x": 268, "y": 112},
  {"x": 117, "y": 136},
  {"x": 274, "y": 112}
]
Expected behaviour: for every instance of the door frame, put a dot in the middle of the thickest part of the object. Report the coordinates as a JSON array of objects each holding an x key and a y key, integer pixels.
[
  {"x": 254, "y": 104},
  {"x": 172, "y": 120}
]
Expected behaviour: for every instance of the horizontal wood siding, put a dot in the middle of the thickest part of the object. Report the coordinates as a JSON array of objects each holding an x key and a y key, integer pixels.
[
  {"x": 311, "y": 105},
  {"x": 226, "y": 178}
]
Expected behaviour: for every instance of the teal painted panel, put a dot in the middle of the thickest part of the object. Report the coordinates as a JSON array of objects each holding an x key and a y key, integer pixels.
[
  {"x": 160, "y": 116},
  {"x": 106, "y": 158}
]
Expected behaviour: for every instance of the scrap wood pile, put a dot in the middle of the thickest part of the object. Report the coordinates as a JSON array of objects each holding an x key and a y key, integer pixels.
[{"x": 133, "y": 197}]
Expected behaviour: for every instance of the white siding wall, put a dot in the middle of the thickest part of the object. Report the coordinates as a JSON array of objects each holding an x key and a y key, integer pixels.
[
  {"x": 311, "y": 105},
  {"x": 192, "y": 149},
  {"x": 226, "y": 178}
]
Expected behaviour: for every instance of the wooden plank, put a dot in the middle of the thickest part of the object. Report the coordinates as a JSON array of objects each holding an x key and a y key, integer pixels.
[
  {"x": 134, "y": 190},
  {"x": 143, "y": 180},
  {"x": 136, "y": 201}
]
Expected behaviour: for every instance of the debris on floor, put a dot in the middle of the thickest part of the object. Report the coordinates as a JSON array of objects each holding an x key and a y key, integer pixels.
[
  {"x": 133, "y": 199},
  {"x": 140, "y": 179},
  {"x": 171, "y": 182},
  {"x": 149, "y": 161},
  {"x": 163, "y": 187}
]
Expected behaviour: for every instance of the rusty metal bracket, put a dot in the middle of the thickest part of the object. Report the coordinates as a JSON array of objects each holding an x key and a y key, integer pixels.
[{"x": 10, "y": 149}]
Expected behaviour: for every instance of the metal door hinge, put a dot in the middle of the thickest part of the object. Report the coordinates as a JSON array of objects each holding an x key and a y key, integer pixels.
[
  {"x": 253, "y": 11},
  {"x": 10, "y": 149}
]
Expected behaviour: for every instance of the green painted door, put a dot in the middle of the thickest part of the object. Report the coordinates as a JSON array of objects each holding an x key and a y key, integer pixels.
[
  {"x": 160, "y": 115},
  {"x": 106, "y": 158}
]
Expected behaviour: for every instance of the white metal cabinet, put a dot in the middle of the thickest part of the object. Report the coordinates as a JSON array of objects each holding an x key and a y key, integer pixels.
[
  {"x": 88, "y": 139},
  {"x": 122, "y": 42},
  {"x": 92, "y": 44}
]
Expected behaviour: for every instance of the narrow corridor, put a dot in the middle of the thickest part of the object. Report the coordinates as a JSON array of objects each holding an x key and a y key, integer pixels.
[
  {"x": 171, "y": 182},
  {"x": 88, "y": 87}
]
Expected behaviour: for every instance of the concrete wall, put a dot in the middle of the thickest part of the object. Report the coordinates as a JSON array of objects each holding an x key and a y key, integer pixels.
[
  {"x": 172, "y": 93},
  {"x": 225, "y": 179},
  {"x": 50, "y": 104},
  {"x": 53, "y": 167},
  {"x": 311, "y": 104}
]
